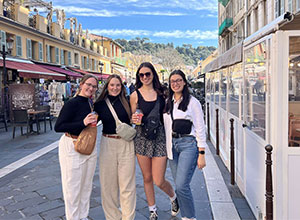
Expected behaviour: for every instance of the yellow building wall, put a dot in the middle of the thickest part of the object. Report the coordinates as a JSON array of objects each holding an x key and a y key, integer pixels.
[
  {"x": 67, "y": 34},
  {"x": 21, "y": 14},
  {"x": 55, "y": 30},
  {"x": 41, "y": 23}
]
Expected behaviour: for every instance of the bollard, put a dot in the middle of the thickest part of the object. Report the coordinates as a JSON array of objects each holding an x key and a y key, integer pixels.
[
  {"x": 232, "y": 164},
  {"x": 269, "y": 184},
  {"x": 208, "y": 122},
  {"x": 217, "y": 132}
]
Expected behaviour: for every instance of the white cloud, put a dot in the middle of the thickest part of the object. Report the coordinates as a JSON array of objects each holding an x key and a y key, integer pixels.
[{"x": 189, "y": 34}]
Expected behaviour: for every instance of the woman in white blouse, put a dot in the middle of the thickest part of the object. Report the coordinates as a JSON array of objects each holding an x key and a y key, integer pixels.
[{"x": 186, "y": 139}]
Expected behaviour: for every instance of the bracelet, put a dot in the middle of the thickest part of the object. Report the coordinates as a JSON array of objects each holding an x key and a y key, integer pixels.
[{"x": 202, "y": 152}]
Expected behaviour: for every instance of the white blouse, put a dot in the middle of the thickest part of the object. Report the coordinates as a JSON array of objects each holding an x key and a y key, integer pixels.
[{"x": 193, "y": 113}]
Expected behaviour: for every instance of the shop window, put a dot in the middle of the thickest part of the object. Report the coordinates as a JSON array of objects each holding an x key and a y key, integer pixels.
[
  {"x": 255, "y": 89},
  {"x": 19, "y": 46},
  {"x": 216, "y": 88},
  {"x": 208, "y": 84},
  {"x": 235, "y": 82},
  {"x": 294, "y": 92},
  {"x": 223, "y": 88}
]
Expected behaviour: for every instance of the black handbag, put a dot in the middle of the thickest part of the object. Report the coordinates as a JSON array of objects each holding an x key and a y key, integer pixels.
[
  {"x": 151, "y": 123},
  {"x": 180, "y": 126}
]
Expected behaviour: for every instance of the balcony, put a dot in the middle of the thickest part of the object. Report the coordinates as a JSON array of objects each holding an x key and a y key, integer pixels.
[
  {"x": 224, "y": 2},
  {"x": 225, "y": 25}
]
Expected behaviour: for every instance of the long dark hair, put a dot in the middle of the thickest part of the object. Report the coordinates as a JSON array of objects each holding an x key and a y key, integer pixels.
[
  {"x": 155, "y": 82},
  {"x": 185, "y": 93},
  {"x": 122, "y": 95}
]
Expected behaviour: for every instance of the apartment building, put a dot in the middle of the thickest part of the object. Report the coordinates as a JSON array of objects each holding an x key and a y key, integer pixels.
[
  {"x": 238, "y": 19},
  {"x": 40, "y": 39}
]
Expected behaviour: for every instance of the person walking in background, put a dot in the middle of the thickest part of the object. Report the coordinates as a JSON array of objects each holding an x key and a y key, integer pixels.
[
  {"x": 77, "y": 170},
  {"x": 186, "y": 140},
  {"x": 127, "y": 90},
  {"x": 131, "y": 88},
  {"x": 117, "y": 158},
  {"x": 151, "y": 154}
]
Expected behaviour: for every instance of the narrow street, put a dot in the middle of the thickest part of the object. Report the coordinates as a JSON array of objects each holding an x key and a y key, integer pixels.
[{"x": 30, "y": 184}]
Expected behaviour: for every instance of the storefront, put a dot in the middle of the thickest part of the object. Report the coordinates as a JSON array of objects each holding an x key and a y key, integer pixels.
[{"x": 257, "y": 84}]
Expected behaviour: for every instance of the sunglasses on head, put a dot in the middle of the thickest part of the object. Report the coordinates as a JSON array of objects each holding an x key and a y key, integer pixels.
[{"x": 141, "y": 75}]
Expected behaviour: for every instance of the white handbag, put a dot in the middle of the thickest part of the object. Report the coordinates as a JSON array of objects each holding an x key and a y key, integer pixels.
[{"x": 123, "y": 130}]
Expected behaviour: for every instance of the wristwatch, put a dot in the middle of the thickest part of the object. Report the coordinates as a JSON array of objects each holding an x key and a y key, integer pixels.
[{"x": 202, "y": 152}]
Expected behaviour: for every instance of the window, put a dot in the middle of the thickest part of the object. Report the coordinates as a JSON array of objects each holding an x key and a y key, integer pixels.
[
  {"x": 76, "y": 58},
  {"x": 235, "y": 82},
  {"x": 255, "y": 89},
  {"x": 62, "y": 57},
  {"x": 294, "y": 92},
  {"x": 48, "y": 54},
  {"x": 19, "y": 46},
  {"x": 216, "y": 88},
  {"x": 3, "y": 40},
  {"x": 40, "y": 51},
  {"x": 56, "y": 55},
  {"x": 223, "y": 87},
  {"x": 69, "y": 59},
  {"x": 279, "y": 7},
  {"x": 87, "y": 63},
  {"x": 28, "y": 48},
  {"x": 207, "y": 88}
]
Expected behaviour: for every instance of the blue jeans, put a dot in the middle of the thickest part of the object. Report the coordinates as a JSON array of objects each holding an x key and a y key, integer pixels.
[{"x": 185, "y": 155}]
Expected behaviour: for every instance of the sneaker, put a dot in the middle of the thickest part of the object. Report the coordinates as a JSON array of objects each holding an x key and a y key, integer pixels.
[
  {"x": 153, "y": 215},
  {"x": 174, "y": 207}
]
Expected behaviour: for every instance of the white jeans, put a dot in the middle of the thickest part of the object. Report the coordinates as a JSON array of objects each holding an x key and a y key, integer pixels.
[
  {"x": 117, "y": 178},
  {"x": 77, "y": 172}
]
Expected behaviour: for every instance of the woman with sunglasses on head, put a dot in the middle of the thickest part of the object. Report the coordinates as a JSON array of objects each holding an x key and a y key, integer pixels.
[
  {"x": 117, "y": 158},
  {"x": 151, "y": 154},
  {"x": 186, "y": 140},
  {"x": 77, "y": 170}
]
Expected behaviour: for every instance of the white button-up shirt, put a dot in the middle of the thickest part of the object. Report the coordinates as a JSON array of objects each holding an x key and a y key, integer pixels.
[{"x": 193, "y": 113}]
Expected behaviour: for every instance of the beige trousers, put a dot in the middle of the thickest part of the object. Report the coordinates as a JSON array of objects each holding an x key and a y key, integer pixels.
[
  {"x": 77, "y": 172},
  {"x": 117, "y": 178}
]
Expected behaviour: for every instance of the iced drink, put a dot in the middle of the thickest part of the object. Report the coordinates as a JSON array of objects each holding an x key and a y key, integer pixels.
[{"x": 95, "y": 123}]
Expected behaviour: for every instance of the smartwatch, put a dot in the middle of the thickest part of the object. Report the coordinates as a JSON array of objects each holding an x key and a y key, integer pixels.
[{"x": 201, "y": 152}]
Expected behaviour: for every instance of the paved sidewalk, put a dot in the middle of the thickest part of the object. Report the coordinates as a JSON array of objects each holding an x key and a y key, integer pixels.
[{"x": 33, "y": 191}]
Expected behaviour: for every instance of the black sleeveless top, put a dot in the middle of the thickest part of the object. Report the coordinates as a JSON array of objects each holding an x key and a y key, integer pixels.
[{"x": 147, "y": 106}]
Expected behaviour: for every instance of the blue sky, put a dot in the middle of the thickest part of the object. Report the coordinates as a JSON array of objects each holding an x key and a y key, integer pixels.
[{"x": 178, "y": 21}]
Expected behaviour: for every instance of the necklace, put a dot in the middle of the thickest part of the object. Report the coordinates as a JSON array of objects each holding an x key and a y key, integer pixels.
[{"x": 114, "y": 101}]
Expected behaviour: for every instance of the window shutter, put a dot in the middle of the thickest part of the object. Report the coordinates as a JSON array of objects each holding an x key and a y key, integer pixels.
[
  {"x": 3, "y": 40},
  {"x": 62, "y": 57},
  {"x": 56, "y": 55},
  {"x": 48, "y": 54},
  {"x": 40, "y": 51},
  {"x": 19, "y": 46},
  {"x": 29, "y": 48},
  {"x": 69, "y": 59}
]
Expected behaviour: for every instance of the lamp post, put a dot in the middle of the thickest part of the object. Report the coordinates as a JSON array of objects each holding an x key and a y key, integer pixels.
[
  {"x": 9, "y": 43},
  {"x": 101, "y": 69}
]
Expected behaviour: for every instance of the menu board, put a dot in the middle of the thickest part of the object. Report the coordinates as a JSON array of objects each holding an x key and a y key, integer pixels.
[{"x": 22, "y": 96}]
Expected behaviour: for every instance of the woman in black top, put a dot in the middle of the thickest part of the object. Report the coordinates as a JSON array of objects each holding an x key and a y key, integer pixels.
[
  {"x": 151, "y": 154},
  {"x": 116, "y": 159},
  {"x": 77, "y": 170}
]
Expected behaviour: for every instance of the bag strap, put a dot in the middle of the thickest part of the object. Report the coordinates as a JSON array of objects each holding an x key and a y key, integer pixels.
[
  {"x": 90, "y": 101},
  {"x": 171, "y": 109},
  {"x": 113, "y": 112}
]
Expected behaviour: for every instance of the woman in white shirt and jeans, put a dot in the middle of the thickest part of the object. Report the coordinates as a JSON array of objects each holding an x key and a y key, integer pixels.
[{"x": 186, "y": 139}]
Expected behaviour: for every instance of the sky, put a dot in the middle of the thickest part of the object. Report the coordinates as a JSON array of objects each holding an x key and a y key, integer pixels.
[{"x": 179, "y": 22}]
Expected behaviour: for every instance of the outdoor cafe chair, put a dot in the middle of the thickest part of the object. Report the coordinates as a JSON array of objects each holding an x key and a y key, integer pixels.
[{"x": 21, "y": 119}]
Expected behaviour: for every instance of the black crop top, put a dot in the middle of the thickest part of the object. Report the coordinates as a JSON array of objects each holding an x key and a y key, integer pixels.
[{"x": 147, "y": 106}]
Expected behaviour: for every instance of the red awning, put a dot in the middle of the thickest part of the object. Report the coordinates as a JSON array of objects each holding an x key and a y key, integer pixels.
[
  {"x": 30, "y": 70},
  {"x": 61, "y": 70},
  {"x": 85, "y": 72},
  {"x": 99, "y": 75}
]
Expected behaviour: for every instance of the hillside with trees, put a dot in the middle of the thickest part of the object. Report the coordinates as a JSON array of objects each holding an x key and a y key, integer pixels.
[{"x": 166, "y": 54}]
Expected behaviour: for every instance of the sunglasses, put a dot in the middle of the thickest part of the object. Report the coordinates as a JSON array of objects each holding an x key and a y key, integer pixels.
[{"x": 141, "y": 75}]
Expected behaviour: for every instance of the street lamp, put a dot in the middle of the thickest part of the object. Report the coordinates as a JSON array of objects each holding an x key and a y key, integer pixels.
[
  {"x": 101, "y": 69},
  {"x": 9, "y": 43}
]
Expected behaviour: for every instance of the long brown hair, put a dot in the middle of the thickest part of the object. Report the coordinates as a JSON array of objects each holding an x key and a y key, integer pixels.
[
  {"x": 83, "y": 80},
  {"x": 122, "y": 95}
]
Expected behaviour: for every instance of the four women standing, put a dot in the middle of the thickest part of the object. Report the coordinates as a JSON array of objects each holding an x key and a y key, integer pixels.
[{"x": 184, "y": 147}]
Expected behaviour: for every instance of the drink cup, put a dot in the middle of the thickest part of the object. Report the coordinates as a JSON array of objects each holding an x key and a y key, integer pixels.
[
  {"x": 94, "y": 124},
  {"x": 139, "y": 116}
]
